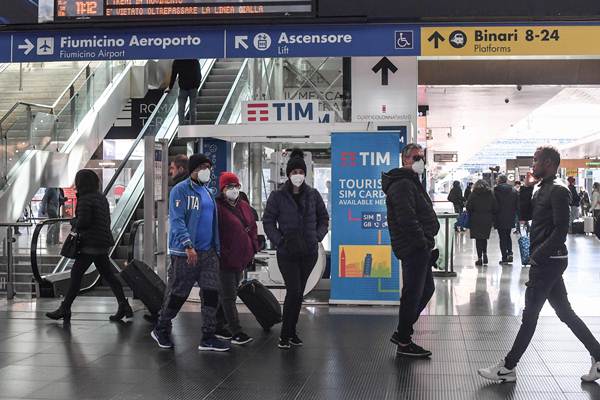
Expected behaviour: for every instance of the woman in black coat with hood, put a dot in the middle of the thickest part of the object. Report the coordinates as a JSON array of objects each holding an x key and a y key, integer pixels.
[
  {"x": 295, "y": 221},
  {"x": 481, "y": 208},
  {"x": 92, "y": 224}
]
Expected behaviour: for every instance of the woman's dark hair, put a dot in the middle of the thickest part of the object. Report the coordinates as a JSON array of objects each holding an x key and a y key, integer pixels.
[{"x": 86, "y": 181}]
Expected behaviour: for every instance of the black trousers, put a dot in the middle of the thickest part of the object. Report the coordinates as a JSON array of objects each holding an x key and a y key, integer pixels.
[
  {"x": 546, "y": 283},
  {"x": 104, "y": 267},
  {"x": 295, "y": 272},
  {"x": 505, "y": 243},
  {"x": 481, "y": 246},
  {"x": 417, "y": 290}
]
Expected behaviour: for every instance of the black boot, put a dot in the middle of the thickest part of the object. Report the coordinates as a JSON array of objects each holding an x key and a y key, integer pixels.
[
  {"x": 124, "y": 311},
  {"x": 61, "y": 313},
  {"x": 485, "y": 259}
]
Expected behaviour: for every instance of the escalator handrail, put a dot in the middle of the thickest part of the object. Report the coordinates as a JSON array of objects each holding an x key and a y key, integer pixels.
[
  {"x": 135, "y": 226},
  {"x": 34, "y": 246}
]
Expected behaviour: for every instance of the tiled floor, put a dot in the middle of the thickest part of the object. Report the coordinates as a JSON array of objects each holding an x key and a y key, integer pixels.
[{"x": 471, "y": 322}]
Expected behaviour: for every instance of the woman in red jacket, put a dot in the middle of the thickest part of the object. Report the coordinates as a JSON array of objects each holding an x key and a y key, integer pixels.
[{"x": 239, "y": 244}]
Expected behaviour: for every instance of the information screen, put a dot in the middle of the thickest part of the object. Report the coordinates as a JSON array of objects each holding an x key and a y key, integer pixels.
[{"x": 73, "y": 10}]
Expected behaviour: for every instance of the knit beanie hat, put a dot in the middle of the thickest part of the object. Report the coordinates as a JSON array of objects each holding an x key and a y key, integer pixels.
[
  {"x": 296, "y": 161},
  {"x": 196, "y": 160},
  {"x": 228, "y": 178}
]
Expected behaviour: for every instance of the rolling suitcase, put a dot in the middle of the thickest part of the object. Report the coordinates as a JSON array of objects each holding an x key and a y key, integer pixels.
[
  {"x": 588, "y": 224},
  {"x": 577, "y": 227},
  {"x": 261, "y": 302},
  {"x": 524, "y": 249},
  {"x": 146, "y": 285}
]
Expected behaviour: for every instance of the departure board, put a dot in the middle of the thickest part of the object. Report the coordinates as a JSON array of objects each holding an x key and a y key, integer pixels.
[{"x": 73, "y": 10}]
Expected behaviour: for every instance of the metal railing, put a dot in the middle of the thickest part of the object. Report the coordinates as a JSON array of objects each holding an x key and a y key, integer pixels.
[
  {"x": 10, "y": 240},
  {"x": 236, "y": 90},
  {"x": 42, "y": 281}
]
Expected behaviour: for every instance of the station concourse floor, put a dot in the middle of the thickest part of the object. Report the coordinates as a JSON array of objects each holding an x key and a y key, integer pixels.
[{"x": 471, "y": 322}]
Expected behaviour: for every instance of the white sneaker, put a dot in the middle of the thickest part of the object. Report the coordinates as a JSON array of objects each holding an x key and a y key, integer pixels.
[
  {"x": 498, "y": 373},
  {"x": 594, "y": 373}
]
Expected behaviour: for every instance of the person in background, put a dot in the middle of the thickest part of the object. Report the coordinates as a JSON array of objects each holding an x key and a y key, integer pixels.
[
  {"x": 481, "y": 208},
  {"x": 239, "y": 244},
  {"x": 457, "y": 199},
  {"x": 585, "y": 201},
  {"x": 178, "y": 169},
  {"x": 194, "y": 250},
  {"x": 50, "y": 207},
  {"x": 595, "y": 203},
  {"x": 468, "y": 191},
  {"x": 92, "y": 224},
  {"x": 507, "y": 200},
  {"x": 548, "y": 207},
  {"x": 575, "y": 202},
  {"x": 413, "y": 225},
  {"x": 190, "y": 77},
  {"x": 295, "y": 221}
]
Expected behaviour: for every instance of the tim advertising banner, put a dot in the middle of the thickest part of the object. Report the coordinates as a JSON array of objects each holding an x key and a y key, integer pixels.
[{"x": 363, "y": 267}]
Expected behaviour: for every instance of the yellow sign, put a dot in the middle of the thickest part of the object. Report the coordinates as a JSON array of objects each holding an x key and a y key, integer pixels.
[{"x": 501, "y": 41}]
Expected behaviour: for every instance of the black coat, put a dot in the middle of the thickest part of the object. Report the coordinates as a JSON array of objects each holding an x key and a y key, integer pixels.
[
  {"x": 508, "y": 204},
  {"x": 548, "y": 208},
  {"x": 481, "y": 208},
  {"x": 412, "y": 222},
  {"x": 286, "y": 221},
  {"x": 92, "y": 222},
  {"x": 456, "y": 198}
]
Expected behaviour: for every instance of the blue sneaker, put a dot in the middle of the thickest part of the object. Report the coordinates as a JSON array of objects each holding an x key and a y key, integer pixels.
[
  {"x": 163, "y": 338},
  {"x": 214, "y": 344}
]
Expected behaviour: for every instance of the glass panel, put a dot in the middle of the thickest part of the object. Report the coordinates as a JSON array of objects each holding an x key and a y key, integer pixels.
[{"x": 232, "y": 112}]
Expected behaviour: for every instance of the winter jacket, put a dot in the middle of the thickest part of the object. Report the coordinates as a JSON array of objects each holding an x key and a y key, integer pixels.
[
  {"x": 507, "y": 199},
  {"x": 238, "y": 233},
  {"x": 92, "y": 223},
  {"x": 189, "y": 74},
  {"x": 50, "y": 203},
  {"x": 185, "y": 217},
  {"x": 456, "y": 198},
  {"x": 412, "y": 222},
  {"x": 575, "y": 199},
  {"x": 467, "y": 193},
  {"x": 481, "y": 207},
  {"x": 548, "y": 204},
  {"x": 294, "y": 227}
]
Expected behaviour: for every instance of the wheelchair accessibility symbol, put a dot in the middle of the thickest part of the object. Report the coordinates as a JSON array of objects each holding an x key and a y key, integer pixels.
[{"x": 403, "y": 40}]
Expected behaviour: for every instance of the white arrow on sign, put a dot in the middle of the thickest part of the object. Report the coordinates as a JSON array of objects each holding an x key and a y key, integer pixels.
[
  {"x": 240, "y": 41},
  {"x": 28, "y": 46}
]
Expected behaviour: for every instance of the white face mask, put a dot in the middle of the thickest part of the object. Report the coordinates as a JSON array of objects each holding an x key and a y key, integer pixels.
[
  {"x": 204, "y": 175},
  {"x": 232, "y": 194},
  {"x": 419, "y": 167},
  {"x": 297, "y": 180}
]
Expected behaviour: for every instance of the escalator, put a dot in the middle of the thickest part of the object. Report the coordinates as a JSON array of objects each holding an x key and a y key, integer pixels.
[{"x": 220, "y": 88}]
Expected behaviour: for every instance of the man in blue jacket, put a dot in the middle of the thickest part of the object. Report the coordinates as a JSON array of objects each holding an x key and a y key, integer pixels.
[{"x": 194, "y": 247}]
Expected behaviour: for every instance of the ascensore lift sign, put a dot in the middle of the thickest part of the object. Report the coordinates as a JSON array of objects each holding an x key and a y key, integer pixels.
[{"x": 502, "y": 41}]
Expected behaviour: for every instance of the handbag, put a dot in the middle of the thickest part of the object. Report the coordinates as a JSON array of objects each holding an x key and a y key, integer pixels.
[{"x": 71, "y": 246}]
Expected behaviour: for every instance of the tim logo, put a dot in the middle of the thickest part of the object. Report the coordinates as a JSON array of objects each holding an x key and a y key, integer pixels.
[
  {"x": 365, "y": 158},
  {"x": 258, "y": 112}
]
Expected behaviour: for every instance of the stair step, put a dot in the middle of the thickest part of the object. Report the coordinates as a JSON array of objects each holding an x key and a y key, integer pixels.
[{"x": 213, "y": 99}]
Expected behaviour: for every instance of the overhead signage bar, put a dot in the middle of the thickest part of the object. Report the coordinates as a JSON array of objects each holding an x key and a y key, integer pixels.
[{"x": 340, "y": 40}]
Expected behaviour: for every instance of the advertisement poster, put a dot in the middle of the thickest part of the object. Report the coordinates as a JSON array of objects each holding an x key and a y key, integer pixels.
[
  {"x": 364, "y": 269},
  {"x": 218, "y": 151}
]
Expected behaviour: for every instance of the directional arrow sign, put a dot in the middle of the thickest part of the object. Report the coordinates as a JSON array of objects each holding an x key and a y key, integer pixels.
[
  {"x": 240, "y": 41},
  {"x": 28, "y": 46},
  {"x": 436, "y": 38},
  {"x": 384, "y": 65}
]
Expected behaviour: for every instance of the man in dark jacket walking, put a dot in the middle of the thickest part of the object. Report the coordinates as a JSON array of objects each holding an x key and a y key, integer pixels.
[
  {"x": 575, "y": 202},
  {"x": 507, "y": 199},
  {"x": 548, "y": 206},
  {"x": 413, "y": 225},
  {"x": 190, "y": 77}
]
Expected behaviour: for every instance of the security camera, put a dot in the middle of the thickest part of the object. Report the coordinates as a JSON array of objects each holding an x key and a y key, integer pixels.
[
  {"x": 507, "y": 100},
  {"x": 519, "y": 88}
]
